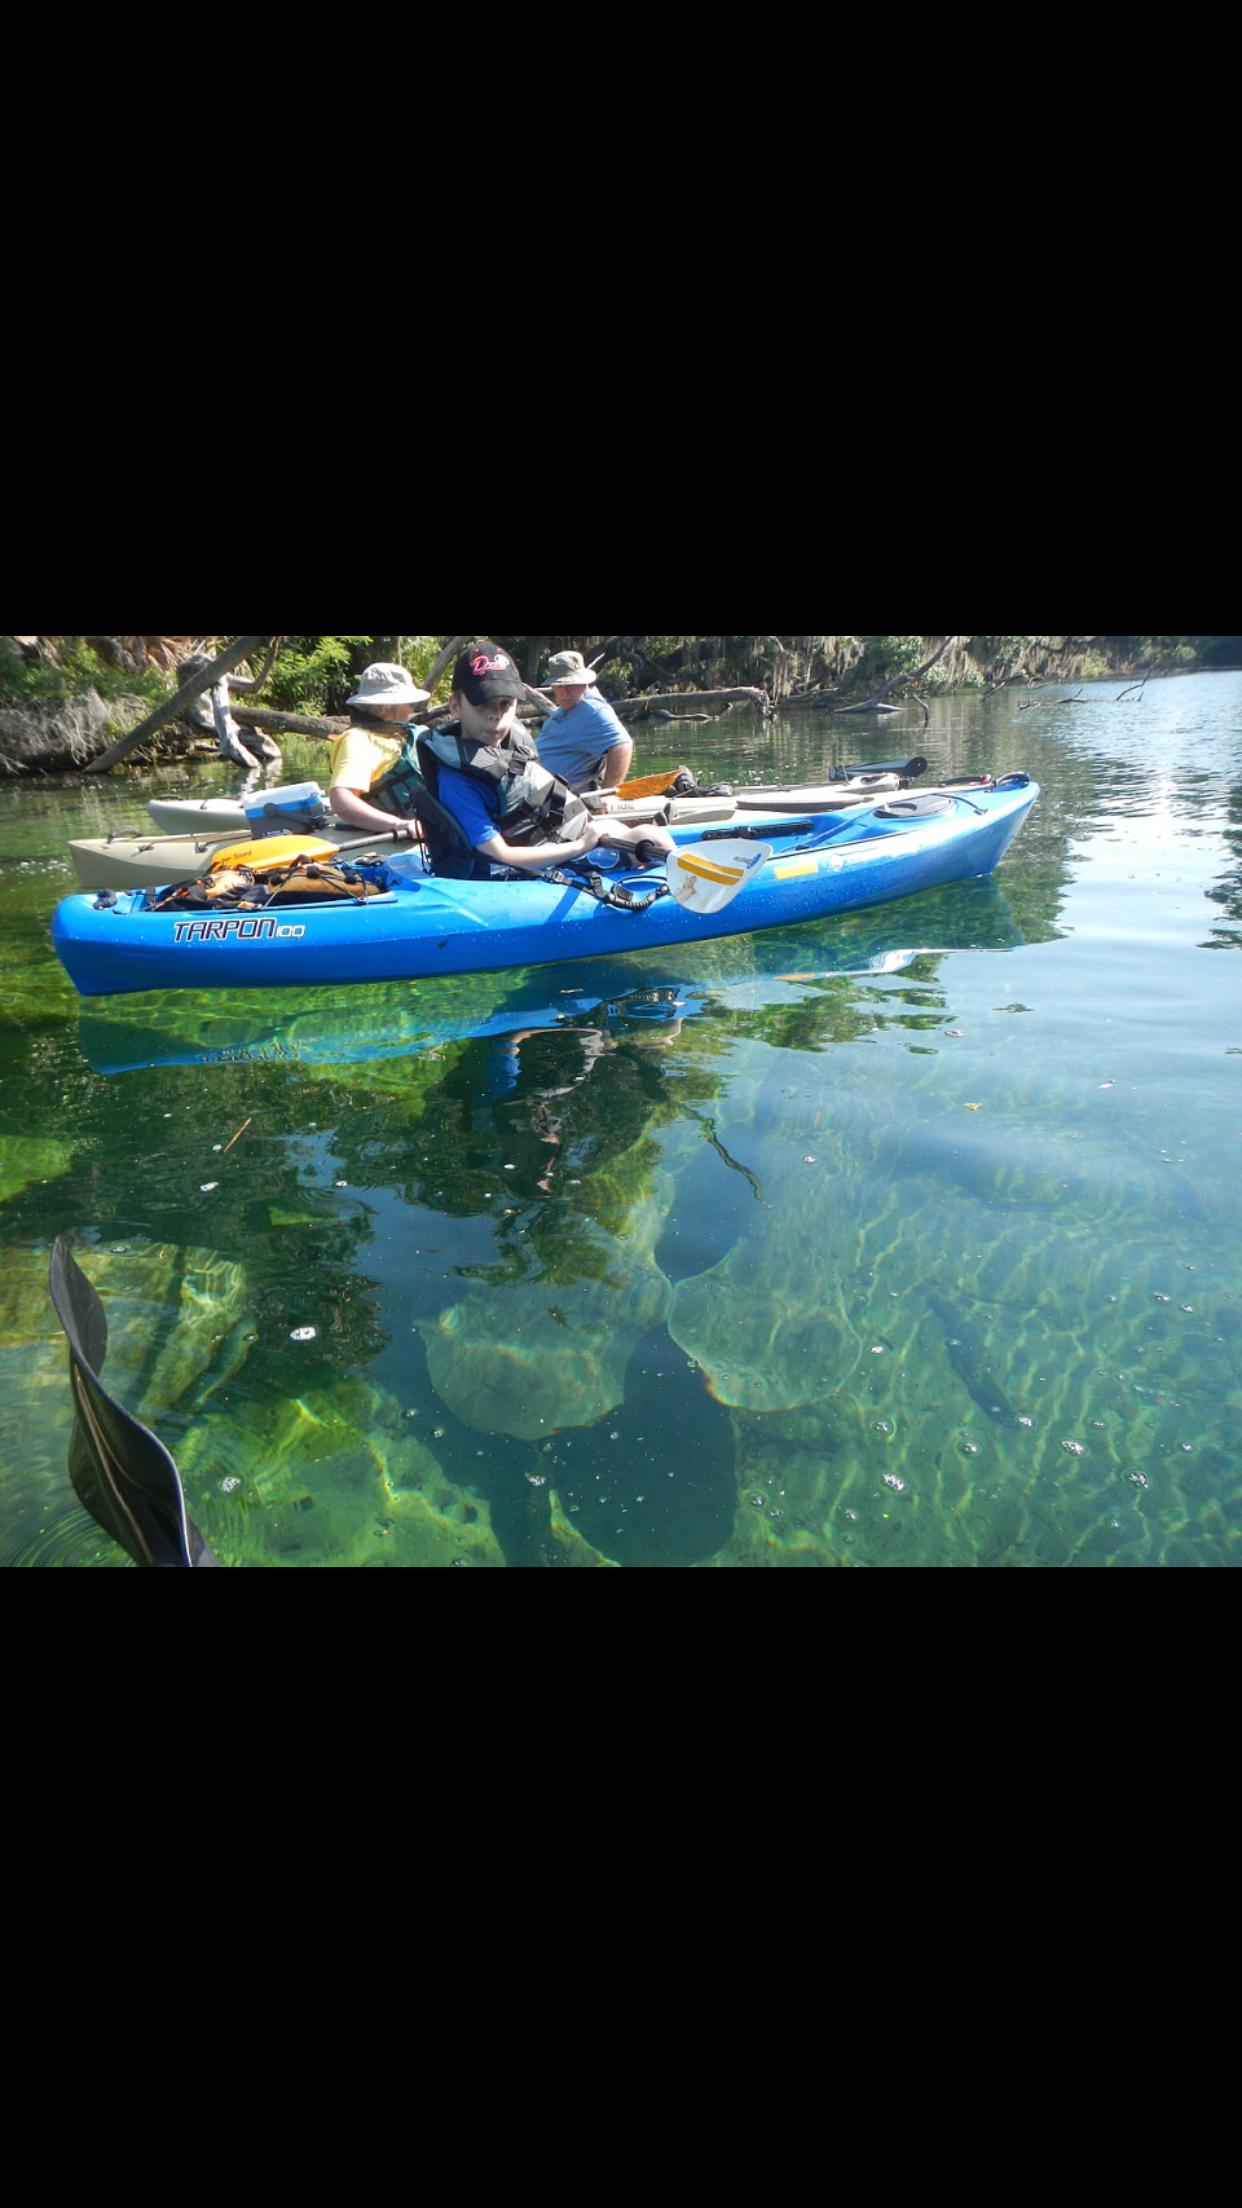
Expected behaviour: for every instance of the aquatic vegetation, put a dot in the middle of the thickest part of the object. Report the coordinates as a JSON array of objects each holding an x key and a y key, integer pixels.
[
  {"x": 26, "y": 1160},
  {"x": 176, "y": 1333},
  {"x": 331, "y": 1478}
]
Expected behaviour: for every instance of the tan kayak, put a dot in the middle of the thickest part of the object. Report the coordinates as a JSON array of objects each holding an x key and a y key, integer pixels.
[{"x": 149, "y": 862}]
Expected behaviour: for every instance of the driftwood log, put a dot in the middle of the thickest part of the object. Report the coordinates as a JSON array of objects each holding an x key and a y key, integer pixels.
[
  {"x": 900, "y": 682},
  {"x": 262, "y": 751},
  {"x": 243, "y": 647},
  {"x": 713, "y": 704}
]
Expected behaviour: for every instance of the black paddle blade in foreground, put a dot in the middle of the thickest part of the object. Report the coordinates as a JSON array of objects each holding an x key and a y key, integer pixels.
[{"x": 123, "y": 1475}]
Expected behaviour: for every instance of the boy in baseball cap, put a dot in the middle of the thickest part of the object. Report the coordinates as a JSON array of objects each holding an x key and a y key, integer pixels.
[{"x": 512, "y": 814}]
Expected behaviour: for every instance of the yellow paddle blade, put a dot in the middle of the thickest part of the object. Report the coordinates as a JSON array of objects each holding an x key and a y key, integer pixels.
[
  {"x": 709, "y": 876},
  {"x": 272, "y": 851},
  {"x": 654, "y": 785}
]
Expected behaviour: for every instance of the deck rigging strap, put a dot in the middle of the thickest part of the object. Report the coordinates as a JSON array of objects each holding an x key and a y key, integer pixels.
[{"x": 606, "y": 893}]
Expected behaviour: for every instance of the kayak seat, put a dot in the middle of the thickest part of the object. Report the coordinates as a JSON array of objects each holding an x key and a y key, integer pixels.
[{"x": 930, "y": 807}]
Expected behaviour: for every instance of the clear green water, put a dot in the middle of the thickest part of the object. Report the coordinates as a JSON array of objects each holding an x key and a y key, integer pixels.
[{"x": 915, "y": 1241}]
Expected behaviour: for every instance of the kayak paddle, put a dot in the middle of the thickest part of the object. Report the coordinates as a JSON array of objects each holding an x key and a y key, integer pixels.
[
  {"x": 122, "y": 1473},
  {"x": 708, "y": 876}
]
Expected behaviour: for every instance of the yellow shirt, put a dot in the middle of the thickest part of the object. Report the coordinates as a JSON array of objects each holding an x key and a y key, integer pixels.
[{"x": 360, "y": 758}]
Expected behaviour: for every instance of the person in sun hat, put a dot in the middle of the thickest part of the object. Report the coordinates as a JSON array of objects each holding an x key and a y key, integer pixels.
[
  {"x": 375, "y": 765},
  {"x": 583, "y": 742},
  {"x": 501, "y": 811}
]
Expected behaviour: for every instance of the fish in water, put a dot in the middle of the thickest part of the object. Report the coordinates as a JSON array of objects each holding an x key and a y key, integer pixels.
[{"x": 971, "y": 1358}]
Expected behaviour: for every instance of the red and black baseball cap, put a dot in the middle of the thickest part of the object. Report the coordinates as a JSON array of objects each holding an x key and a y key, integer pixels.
[{"x": 485, "y": 673}]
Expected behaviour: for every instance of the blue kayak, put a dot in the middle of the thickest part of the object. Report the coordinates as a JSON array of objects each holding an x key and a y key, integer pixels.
[{"x": 419, "y": 926}]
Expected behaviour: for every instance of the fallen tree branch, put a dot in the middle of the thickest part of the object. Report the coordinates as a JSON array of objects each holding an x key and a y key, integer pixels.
[
  {"x": 898, "y": 683},
  {"x": 204, "y": 680},
  {"x": 641, "y": 709},
  {"x": 289, "y": 724},
  {"x": 250, "y": 686},
  {"x": 229, "y": 735},
  {"x": 452, "y": 652}
]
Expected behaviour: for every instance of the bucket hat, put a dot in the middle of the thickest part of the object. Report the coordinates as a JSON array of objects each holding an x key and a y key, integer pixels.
[
  {"x": 387, "y": 685},
  {"x": 570, "y": 670}
]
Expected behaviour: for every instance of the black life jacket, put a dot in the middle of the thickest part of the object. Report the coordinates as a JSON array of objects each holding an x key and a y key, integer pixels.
[{"x": 535, "y": 806}]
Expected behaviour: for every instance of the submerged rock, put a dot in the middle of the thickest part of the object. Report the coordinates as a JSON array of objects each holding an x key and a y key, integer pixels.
[
  {"x": 531, "y": 1357},
  {"x": 769, "y": 1324},
  {"x": 329, "y": 1479},
  {"x": 172, "y": 1320}
]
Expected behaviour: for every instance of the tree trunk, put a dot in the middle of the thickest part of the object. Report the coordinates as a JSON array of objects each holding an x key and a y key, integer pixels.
[{"x": 204, "y": 680}]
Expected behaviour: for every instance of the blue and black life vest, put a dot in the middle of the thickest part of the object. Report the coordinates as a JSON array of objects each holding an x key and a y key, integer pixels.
[{"x": 535, "y": 806}]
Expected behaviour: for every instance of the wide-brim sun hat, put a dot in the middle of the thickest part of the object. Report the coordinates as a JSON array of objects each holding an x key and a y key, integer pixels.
[
  {"x": 387, "y": 685},
  {"x": 569, "y": 671}
]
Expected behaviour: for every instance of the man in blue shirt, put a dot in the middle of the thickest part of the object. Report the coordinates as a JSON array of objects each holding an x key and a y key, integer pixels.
[{"x": 584, "y": 742}]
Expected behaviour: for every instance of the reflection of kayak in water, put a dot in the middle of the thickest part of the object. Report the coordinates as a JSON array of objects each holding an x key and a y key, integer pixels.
[
  {"x": 393, "y": 1022},
  {"x": 411, "y": 926}
]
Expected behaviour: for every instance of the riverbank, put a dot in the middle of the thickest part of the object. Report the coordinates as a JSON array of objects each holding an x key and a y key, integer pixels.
[{"x": 64, "y": 701}]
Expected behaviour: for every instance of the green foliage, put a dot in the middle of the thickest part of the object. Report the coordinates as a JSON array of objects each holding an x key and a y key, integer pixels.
[
  {"x": 24, "y": 682},
  {"x": 316, "y": 673}
]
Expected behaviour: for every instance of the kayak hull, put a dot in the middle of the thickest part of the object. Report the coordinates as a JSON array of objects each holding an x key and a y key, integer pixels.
[{"x": 427, "y": 927}]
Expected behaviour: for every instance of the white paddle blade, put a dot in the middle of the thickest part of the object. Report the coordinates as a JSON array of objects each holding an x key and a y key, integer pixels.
[{"x": 708, "y": 876}]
